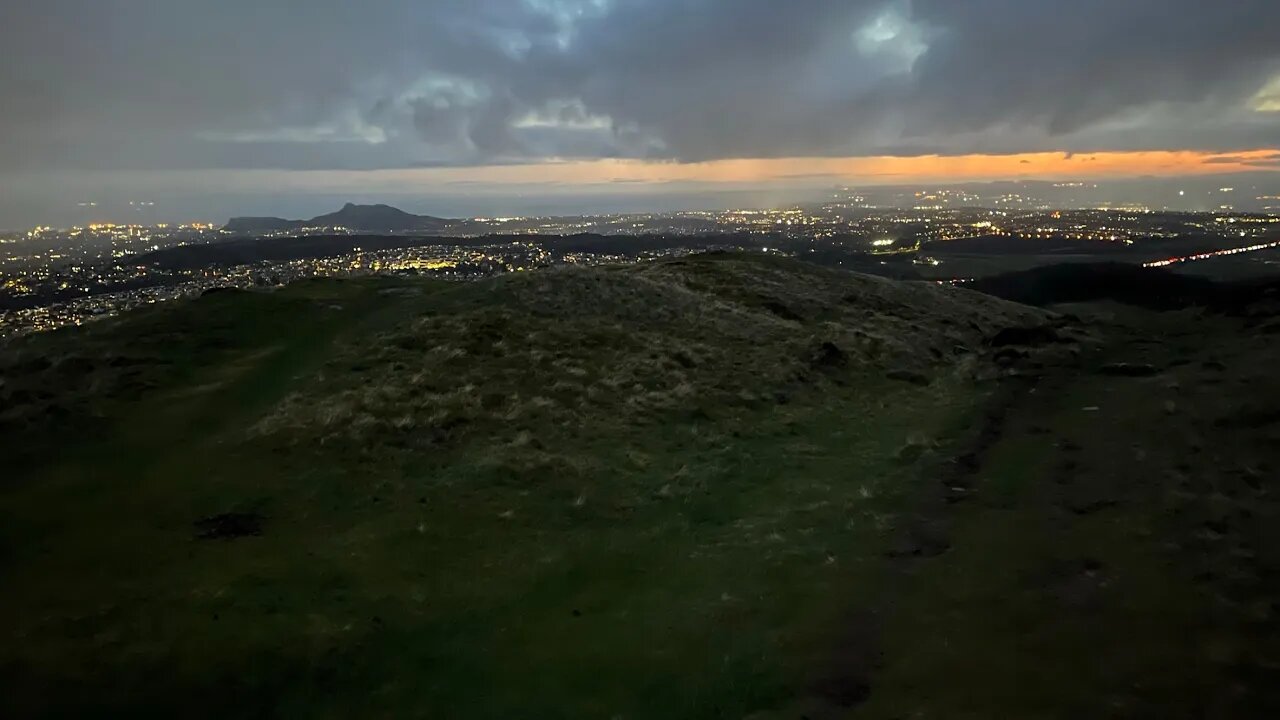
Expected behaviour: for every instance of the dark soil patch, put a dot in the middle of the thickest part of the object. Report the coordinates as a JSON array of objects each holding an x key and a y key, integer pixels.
[{"x": 927, "y": 535}]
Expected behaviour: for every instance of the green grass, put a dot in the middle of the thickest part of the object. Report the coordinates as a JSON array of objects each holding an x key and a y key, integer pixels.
[
  {"x": 1082, "y": 582},
  {"x": 650, "y": 539},
  {"x": 640, "y": 492}
]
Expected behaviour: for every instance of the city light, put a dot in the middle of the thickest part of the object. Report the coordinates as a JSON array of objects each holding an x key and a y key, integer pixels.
[{"x": 104, "y": 268}]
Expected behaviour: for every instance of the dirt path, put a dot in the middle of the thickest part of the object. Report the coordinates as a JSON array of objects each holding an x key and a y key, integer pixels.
[{"x": 1101, "y": 544}]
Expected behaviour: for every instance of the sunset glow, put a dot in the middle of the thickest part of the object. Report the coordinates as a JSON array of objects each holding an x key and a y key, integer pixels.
[{"x": 872, "y": 170}]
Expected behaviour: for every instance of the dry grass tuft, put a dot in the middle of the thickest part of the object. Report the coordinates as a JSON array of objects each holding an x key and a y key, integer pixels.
[{"x": 570, "y": 347}]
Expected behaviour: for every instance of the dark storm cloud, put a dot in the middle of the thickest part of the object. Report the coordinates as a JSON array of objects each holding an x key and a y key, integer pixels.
[
  {"x": 403, "y": 83},
  {"x": 1069, "y": 64}
]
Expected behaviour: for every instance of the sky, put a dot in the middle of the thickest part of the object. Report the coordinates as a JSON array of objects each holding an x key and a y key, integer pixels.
[{"x": 245, "y": 106}]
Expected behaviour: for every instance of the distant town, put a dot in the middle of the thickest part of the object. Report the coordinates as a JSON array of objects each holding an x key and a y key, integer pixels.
[{"x": 55, "y": 277}]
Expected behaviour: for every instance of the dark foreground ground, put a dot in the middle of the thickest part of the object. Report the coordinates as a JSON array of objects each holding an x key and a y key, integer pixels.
[{"x": 721, "y": 487}]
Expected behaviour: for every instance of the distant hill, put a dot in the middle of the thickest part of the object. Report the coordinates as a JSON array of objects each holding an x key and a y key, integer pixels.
[
  {"x": 365, "y": 218},
  {"x": 1092, "y": 282},
  {"x": 377, "y": 218},
  {"x": 262, "y": 224}
]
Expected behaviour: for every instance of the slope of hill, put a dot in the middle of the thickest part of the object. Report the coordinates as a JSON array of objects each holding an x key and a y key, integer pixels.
[
  {"x": 361, "y": 218},
  {"x": 1155, "y": 289},
  {"x": 725, "y": 486},
  {"x": 1089, "y": 282}
]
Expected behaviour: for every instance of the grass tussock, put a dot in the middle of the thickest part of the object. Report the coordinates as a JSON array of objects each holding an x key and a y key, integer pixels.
[{"x": 572, "y": 348}]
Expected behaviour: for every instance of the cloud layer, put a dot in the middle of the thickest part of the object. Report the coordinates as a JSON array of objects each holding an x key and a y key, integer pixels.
[{"x": 331, "y": 84}]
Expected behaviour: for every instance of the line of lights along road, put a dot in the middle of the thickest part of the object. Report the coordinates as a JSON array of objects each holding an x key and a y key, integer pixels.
[{"x": 1214, "y": 254}]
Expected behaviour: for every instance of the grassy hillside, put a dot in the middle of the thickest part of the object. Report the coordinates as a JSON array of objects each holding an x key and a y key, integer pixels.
[{"x": 729, "y": 486}]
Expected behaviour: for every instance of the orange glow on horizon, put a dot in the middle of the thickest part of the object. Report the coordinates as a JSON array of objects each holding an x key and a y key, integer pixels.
[
  {"x": 877, "y": 170},
  {"x": 620, "y": 175}
]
